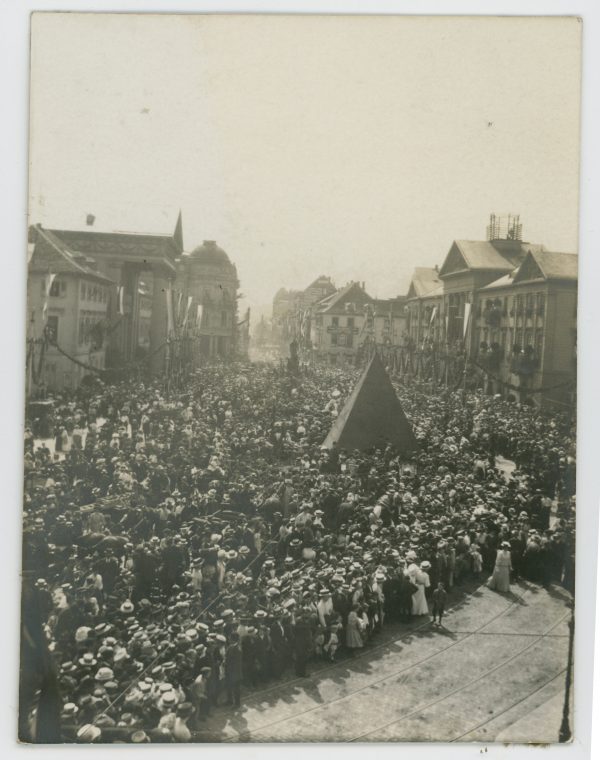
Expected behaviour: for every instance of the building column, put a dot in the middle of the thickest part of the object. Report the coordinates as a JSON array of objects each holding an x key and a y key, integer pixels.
[
  {"x": 158, "y": 323},
  {"x": 131, "y": 282}
]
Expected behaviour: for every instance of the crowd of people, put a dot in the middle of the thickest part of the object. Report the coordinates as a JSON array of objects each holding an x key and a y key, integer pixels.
[{"x": 185, "y": 548}]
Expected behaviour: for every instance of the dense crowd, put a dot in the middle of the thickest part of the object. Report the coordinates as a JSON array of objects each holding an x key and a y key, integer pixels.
[{"x": 187, "y": 547}]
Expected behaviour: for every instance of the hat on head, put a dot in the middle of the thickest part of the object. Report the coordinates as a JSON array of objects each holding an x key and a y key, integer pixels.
[
  {"x": 70, "y": 709},
  {"x": 127, "y": 606},
  {"x": 87, "y": 659},
  {"x": 104, "y": 674},
  {"x": 89, "y": 733},
  {"x": 140, "y": 737}
]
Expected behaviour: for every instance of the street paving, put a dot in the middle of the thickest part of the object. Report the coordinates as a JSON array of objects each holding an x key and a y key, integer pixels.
[{"x": 494, "y": 672}]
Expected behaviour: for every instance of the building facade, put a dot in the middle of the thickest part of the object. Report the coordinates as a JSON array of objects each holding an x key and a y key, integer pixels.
[
  {"x": 208, "y": 277},
  {"x": 508, "y": 307},
  {"x": 525, "y": 326},
  {"x": 293, "y": 312},
  {"x": 68, "y": 301},
  {"x": 127, "y": 258}
]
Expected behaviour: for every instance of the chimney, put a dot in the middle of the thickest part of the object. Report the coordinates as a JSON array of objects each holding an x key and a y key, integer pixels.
[{"x": 89, "y": 220}]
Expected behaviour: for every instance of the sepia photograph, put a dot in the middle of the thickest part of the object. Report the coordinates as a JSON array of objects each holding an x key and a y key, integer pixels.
[{"x": 300, "y": 422}]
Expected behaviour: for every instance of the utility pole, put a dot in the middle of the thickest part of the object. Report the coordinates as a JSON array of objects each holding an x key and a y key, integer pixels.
[{"x": 565, "y": 733}]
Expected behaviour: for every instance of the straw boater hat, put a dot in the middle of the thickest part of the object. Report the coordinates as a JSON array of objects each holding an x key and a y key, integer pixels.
[
  {"x": 89, "y": 733},
  {"x": 104, "y": 674}
]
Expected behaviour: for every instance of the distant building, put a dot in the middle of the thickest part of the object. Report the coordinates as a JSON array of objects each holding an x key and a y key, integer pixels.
[
  {"x": 340, "y": 322},
  {"x": 67, "y": 306},
  {"x": 292, "y": 310},
  {"x": 286, "y": 302},
  {"x": 390, "y": 319},
  {"x": 316, "y": 291},
  {"x": 209, "y": 278}
]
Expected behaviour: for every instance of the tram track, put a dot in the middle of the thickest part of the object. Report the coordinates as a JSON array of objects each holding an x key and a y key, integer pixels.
[
  {"x": 367, "y": 652},
  {"x": 463, "y": 686},
  {"x": 388, "y": 676}
]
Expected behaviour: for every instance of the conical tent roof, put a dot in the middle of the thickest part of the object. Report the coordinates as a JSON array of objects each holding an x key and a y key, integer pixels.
[{"x": 372, "y": 416}]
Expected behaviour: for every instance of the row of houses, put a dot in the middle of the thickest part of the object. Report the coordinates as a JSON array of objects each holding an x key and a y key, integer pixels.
[
  {"x": 334, "y": 326},
  {"x": 102, "y": 299},
  {"x": 509, "y": 306}
]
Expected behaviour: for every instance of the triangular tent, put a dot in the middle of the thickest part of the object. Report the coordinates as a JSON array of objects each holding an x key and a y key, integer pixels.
[{"x": 372, "y": 416}]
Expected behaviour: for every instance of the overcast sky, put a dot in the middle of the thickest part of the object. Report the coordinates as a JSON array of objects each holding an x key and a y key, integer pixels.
[{"x": 357, "y": 147}]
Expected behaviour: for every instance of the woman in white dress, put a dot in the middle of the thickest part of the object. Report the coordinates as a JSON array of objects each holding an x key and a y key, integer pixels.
[
  {"x": 421, "y": 579},
  {"x": 500, "y": 580}
]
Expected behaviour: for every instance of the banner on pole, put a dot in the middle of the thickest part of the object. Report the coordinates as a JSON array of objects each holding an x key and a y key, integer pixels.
[
  {"x": 169, "y": 300},
  {"x": 47, "y": 288},
  {"x": 120, "y": 294},
  {"x": 187, "y": 310},
  {"x": 466, "y": 319},
  {"x": 433, "y": 315},
  {"x": 199, "y": 310}
]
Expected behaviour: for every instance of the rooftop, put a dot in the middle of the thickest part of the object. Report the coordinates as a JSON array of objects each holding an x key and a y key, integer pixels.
[
  {"x": 210, "y": 254},
  {"x": 52, "y": 255}
]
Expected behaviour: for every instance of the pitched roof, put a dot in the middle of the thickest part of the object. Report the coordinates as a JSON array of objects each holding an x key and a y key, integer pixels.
[
  {"x": 501, "y": 282},
  {"x": 499, "y": 255},
  {"x": 351, "y": 292},
  {"x": 424, "y": 280},
  {"x": 383, "y": 305},
  {"x": 50, "y": 254},
  {"x": 321, "y": 282},
  {"x": 557, "y": 266},
  {"x": 119, "y": 219},
  {"x": 372, "y": 416}
]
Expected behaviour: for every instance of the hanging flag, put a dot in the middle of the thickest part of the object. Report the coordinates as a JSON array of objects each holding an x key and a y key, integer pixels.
[
  {"x": 466, "y": 319},
  {"x": 178, "y": 314},
  {"x": 169, "y": 300},
  {"x": 433, "y": 314},
  {"x": 446, "y": 325},
  {"x": 187, "y": 310},
  {"x": 120, "y": 296},
  {"x": 199, "y": 310},
  {"x": 48, "y": 286}
]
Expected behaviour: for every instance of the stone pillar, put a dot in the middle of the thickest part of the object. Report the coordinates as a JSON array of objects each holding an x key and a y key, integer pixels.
[
  {"x": 131, "y": 281},
  {"x": 158, "y": 323}
]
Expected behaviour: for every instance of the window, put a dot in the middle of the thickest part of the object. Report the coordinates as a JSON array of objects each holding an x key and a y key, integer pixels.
[
  {"x": 223, "y": 319},
  {"x": 540, "y": 304},
  {"x": 82, "y": 290},
  {"x": 52, "y": 328},
  {"x": 58, "y": 288},
  {"x": 350, "y": 321},
  {"x": 349, "y": 340},
  {"x": 335, "y": 321},
  {"x": 341, "y": 340},
  {"x": 334, "y": 339}
]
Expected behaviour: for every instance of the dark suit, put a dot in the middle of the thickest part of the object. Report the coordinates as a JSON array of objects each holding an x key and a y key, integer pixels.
[
  {"x": 233, "y": 673},
  {"x": 280, "y": 645}
]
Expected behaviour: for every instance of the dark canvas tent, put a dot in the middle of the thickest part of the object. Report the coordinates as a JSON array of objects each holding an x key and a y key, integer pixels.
[{"x": 372, "y": 415}]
